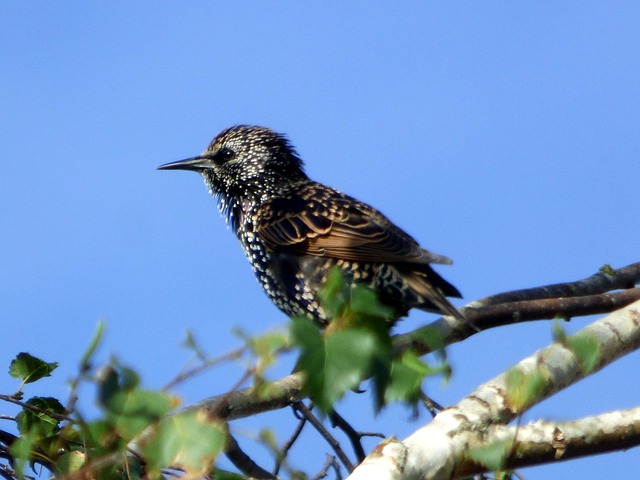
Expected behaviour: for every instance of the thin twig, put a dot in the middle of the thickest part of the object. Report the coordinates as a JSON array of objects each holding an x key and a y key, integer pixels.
[
  {"x": 499, "y": 315},
  {"x": 75, "y": 383},
  {"x": 354, "y": 437},
  {"x": 540, "y": 309},
  {"x": 243, "y": 462},
  {"x": 56, "y": 416},
  {"x": 373, "y": 434},
  {"x": 5, "y": 474},
  {"x": 330, "y": 463},
  {"x": 289, "y": 443},
  {"x": 7, "y": 438},
  {"x": 206, "y": 363},
  {"x": 335, "y": 445},
  {"x": 606, "y": 280}
]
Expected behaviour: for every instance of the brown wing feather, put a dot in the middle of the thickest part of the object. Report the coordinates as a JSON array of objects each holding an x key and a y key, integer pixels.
[{"x": 338, "y": 227}]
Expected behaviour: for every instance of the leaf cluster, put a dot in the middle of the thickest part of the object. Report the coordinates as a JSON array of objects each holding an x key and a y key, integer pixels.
[
  {"x": 133, "y": 437},
  {"x": 357, "y": 346}
]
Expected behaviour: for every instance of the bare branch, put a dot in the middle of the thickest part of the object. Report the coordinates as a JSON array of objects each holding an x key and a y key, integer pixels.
[
  {"x": 606, "y": 280},
  {"x": 524, "y": 311},
  {"x": 243, "y": 462},
  {"x": 289, "y": 443},
  {"x": 244, "y": 403},
  {"x": 335, "y": 445},
  {"x": 452, "y": 330},
  {"x": 354, "y": 437},
  {"x": 5, "y": 474},
  {"x": 204, "y": 365},
  {"x": 7, "y": 438},
  {"x": 330, "y": 463}
]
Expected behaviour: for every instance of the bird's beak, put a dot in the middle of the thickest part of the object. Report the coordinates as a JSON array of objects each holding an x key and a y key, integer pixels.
[{"x": 195, "y": 164}]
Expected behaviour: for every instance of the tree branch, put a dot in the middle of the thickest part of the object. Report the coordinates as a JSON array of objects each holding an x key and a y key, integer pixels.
[
  {"x": 284, "y": 451},
  {"x": 452, "y": 330},
  {"x": 354, "y": 437},
  {"x": 244, "y": 403},
  {"x": 335, "y": 445},
  {"x": 243, "y": 462},
  {"x": 486, "y": 313},
  {"x": 606, "y": 280},
  {"x": 436, "y": 450},
  {"x": 545, "y": 442}
]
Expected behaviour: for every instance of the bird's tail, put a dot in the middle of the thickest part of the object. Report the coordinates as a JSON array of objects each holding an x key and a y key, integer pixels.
[{"x": 434, "y": 290}]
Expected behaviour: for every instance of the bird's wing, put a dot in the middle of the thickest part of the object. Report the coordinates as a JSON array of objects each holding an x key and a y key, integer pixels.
[{"x": 340, "y": 227}]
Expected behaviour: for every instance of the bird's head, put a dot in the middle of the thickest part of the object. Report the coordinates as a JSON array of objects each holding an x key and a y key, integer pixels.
[{"x": 245, "y": 163}]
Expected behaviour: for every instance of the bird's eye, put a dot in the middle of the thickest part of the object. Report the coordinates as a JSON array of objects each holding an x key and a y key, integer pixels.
[{"x": 226, "y": 154}]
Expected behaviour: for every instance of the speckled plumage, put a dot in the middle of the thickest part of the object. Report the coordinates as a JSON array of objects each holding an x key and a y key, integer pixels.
[{"x": 294, "y": 230}]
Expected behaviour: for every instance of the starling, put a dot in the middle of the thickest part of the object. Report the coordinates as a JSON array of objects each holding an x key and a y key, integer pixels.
[{"x": 294, "y": 230}]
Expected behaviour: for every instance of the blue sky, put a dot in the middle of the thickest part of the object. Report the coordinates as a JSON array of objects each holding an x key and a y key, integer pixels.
[{"x": 503, "y": 135}]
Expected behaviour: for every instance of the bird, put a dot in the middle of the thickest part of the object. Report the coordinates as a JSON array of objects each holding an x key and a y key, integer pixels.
[{"x": 294, "y": 230}]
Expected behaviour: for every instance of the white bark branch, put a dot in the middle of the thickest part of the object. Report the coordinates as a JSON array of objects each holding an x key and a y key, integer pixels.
[
  {"x": 545, "y": 441},
  {"x": 437, "y": 450}
]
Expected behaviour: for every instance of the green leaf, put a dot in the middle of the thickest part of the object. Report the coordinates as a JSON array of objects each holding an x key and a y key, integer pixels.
[
  {"x": 71, "y": 462},
  {"x": 118, "y": 393},
  {"x": 29, "y": 368},
  {"x": 491, "y": 456},
  {"x": 349, "y": 355},
  {"x": 188, "y": 440},
  {"x": 20, "y": 450},
  {"x": 93, "y": 345},
  {"x": 267, "y": 347},
  {"x": 219, "y": 474},
  {"x": 407, "y": 376},
  {"x": 129, "y": 408},
  {"x": 523, "y": 389},
  {"x": 40, "y": 424},
  {"x": 381, "y": 359},
  {"x": 365, "y": 303},
  {"x": 268, "y": 439},
  {"x": 133, "y": 411},
  {"x": 431, "y": 337},
  {"x": 128, "y": 378},
  {"x": 100, "y": 435},
  {"x": 559, "y": 335},
  {"x": 190, "y": 343},
  {"x": 312, "y": 355},
  {"x": 608, "y": 269},
  {"x": 356, "y": 344},
  {"x": 586, "y": 349},
  {"x": 339, "y": 360},
  {"x": 504, "y": 475},
  {"x": 335, "y": 293}
]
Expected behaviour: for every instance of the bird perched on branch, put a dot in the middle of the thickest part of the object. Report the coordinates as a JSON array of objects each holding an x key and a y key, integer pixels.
[{"x": 294, "y": 230}]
